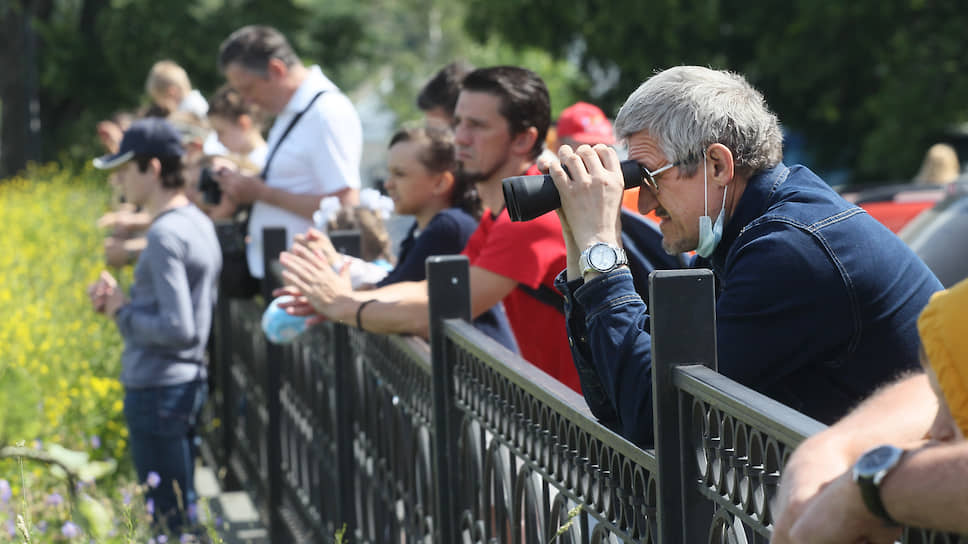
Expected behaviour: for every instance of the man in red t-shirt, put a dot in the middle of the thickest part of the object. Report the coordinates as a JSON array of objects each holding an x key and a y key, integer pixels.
[{"x": 500, "y": 122}]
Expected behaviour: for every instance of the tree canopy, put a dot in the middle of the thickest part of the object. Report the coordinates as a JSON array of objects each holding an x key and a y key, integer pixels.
[{"x": 867, "y": 85}]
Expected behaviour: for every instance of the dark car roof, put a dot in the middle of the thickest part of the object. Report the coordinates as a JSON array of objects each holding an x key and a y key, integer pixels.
[{"x": 940, "y": 235}]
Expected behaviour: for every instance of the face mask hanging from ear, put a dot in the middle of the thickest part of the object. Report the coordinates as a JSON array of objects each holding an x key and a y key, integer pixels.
[{"x": 709, "y": 234}]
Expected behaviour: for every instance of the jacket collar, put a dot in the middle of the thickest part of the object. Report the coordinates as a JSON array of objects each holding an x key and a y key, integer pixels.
[{"x": 756, "y": 199}]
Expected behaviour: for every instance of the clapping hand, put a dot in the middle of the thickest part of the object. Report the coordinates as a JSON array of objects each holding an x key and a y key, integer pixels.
[{"x": 316, "y": 288}]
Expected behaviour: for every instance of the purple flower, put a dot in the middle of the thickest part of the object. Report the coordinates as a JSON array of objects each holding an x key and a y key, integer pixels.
[
  {"x": 11, "y": 528},
  {"x": 153, "y": 479},
  {"x": 54, "y": 499},
  {"x": 150, "y": 506},
  {"x": 162, "y": 539},
  {"x": 95, "y": 442},
  {"x": 38, "y": 444},
  {"x": 186, "y": 538},
  {"x": 70, "y": 530},
  {"x": 126, "y": 497},
  {"x": 42, "y": 526},
  {"x": 5, "y": 491}
]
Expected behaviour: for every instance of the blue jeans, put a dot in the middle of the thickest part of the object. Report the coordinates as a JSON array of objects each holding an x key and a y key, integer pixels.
[{"x": 161, "y": 430}]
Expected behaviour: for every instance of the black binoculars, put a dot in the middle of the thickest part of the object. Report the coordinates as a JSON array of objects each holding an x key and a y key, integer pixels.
[{"x": 528, "y": 197}]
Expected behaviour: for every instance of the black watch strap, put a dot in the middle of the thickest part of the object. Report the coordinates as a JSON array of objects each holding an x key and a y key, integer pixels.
[{"x": 871, "y": 493}]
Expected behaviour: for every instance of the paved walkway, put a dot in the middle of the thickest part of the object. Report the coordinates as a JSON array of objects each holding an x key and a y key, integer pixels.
[{"x": 238, "y": 519}]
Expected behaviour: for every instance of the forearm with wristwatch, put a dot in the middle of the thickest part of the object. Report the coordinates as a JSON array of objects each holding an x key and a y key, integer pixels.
[
  {"x": 870, "y": 471},
  {"x": 921, "y": 487}
]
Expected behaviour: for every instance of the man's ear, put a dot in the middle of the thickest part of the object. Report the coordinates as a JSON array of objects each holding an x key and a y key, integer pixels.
[
  {"x": 721, "y": 165},
  {"x": 276, "y": 69},
  {"x": 523, "y": 142}
]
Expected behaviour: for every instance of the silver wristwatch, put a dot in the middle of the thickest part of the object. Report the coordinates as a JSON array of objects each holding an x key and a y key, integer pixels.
[{"x": 601, "y": 257}]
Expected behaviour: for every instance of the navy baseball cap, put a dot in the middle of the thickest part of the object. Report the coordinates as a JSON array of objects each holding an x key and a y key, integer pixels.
[{"x": 151, "y": 136}]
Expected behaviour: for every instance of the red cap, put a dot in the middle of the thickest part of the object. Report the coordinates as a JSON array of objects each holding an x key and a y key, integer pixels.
[{"x": 586, "y": 124}]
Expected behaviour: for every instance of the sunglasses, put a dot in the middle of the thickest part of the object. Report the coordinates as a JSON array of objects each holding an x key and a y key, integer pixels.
[{"x": 648, "y": 176}]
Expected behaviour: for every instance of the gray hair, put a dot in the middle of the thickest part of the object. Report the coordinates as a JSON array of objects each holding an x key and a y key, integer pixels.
[
  {"x": 251, "y": 47},
  {"x": 688, "y": 108}
]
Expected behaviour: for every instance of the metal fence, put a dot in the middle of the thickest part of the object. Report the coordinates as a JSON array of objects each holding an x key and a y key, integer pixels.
[{"x": 463, "y": 441}]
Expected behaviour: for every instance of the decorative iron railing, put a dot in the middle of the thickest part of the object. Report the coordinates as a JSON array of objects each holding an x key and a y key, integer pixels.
[{"x": 463, "y": 441}]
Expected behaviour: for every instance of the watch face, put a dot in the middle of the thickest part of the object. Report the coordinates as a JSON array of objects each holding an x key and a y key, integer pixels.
[
  {"x": 877, "y": 459},
  {"x": 601, "y": 257}
]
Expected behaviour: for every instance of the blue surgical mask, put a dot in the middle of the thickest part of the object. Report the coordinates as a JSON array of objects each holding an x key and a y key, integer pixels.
[{"x": 709, "y": 234}]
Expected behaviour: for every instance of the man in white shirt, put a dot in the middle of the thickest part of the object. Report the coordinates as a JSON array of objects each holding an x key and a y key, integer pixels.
[{"x": 315, "y": 143}]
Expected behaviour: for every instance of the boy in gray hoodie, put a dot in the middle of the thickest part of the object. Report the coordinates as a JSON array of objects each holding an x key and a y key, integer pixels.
[{"x": 166, "y": 319}]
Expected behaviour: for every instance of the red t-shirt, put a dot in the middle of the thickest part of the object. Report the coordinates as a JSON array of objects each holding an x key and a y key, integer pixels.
[{"x": 532, "y": 253}]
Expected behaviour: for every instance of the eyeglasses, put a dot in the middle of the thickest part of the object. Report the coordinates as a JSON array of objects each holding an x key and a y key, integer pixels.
[{"x": 648, "y": 176}]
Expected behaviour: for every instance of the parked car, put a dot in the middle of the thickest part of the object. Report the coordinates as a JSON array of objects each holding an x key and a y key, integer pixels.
[
  {"x": 939, "y": 235},
  {"x": 894, "y": 204}
]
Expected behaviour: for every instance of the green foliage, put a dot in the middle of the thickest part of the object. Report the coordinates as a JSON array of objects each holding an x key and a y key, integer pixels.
[
  {"x": 390, "y": 48},
  {"x": 870, "y": 84},
  {"x": 95, "y": 58},
  {"x": 59, "y": 361}
]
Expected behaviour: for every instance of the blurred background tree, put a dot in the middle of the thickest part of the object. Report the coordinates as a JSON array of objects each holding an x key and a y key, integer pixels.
[{"x": 867, "y": 86}]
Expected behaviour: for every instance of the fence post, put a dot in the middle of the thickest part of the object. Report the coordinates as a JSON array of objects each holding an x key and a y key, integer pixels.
[
  {"x": 227, "y": 409},
  {"x": 346, "y": 242},
  {"x": 273, "y": 243},
  {"x": 683, "y": 316},
  {"x": 448, "y": 284}
]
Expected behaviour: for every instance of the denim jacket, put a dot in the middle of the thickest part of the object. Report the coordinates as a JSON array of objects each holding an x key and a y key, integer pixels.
[{"x": 817, "y": 305}]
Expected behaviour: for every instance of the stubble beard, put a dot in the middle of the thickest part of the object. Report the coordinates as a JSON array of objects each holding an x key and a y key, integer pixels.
[{"x": 482, "y": 176}]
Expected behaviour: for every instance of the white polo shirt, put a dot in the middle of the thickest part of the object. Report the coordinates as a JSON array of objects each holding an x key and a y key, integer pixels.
[{"x": 321, "y": 155}]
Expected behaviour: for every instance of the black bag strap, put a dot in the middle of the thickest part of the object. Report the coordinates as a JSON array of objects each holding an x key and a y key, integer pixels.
[
  {"x": 295, "y": 119},
  {"x": 545, "y": 295}
]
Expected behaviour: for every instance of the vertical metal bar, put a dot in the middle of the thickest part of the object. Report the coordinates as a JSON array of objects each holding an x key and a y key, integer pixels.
[
  {"x": 344, "y": 390},
  {"x": 347, "y": 242},
  {"x": 32, "y": 146},
  {"x": 228, "y": 409},
  {"x": 274, "y": 243},
  {"x": 448, "y": 283},
  {"x": 683, "y": 317}
]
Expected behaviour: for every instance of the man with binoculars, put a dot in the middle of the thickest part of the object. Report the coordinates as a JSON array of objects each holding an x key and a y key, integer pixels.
[{"x": 817, "y": 302}]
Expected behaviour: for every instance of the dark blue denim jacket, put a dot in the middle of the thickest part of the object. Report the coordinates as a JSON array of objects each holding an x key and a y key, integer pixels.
[{"x": 817, "y": 305}]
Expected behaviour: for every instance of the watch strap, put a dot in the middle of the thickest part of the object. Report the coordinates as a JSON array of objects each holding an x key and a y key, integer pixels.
[{"x": 871, "y": 493}]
